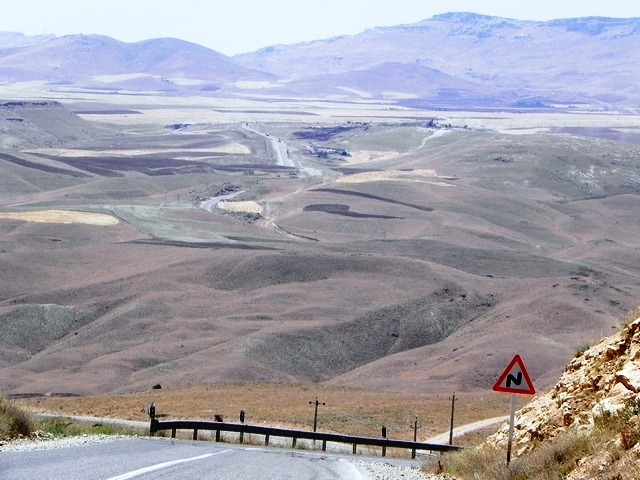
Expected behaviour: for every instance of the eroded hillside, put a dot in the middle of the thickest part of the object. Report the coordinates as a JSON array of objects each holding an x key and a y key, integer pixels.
[
  {"x": 586, "y": 426},
  {"x": 397, "y": 256}
]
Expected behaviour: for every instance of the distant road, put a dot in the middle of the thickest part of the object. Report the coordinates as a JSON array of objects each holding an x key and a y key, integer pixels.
[
  {"x": 468, "y": 428},
  {"x": 210, "y": 204},
  {"x": 178, "y": 459},
  {"x": 278, "y": 146}
]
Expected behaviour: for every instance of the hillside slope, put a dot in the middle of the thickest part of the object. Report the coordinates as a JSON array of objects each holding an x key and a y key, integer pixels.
[
  {"x": 100, "y": 61},
  {"x": 586, "y": 426},
  {"x": 395, "y": 80},
  {"x": 559, "y": 59}
]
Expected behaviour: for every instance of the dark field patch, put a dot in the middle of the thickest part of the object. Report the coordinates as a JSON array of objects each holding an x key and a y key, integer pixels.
[
  {"x": 107, "y": 112},
  {"x": 38, "y": 166},
  {"x": 373, "y": 197},
  {"x": 321, "y": 133},
  {"x": 606, "y": 133},
  {"x": 339, "y": 209},
  {"x": 327, "y": 207},
  {"x": 153, "y": 165}
]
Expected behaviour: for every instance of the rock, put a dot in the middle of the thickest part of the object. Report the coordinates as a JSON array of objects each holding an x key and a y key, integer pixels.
[
  {"x": 634, "y": 351},
  {"x": 614, "y": 403},
  {"x": 567, "y": 415},
  {"x": 629, "y": 376},
  {"x": 634, "y": 327}
]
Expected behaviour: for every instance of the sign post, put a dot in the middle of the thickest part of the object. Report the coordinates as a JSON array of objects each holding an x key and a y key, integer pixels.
[{"x": 516, "y": 381}]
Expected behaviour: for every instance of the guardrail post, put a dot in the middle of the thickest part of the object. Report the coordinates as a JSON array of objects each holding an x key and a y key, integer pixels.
[
  {"x": 241, "y": 437},
  {"x": 266, "y": 439},
  {"x": 173, "y": 433},
  {"x": 324, "y": 445},
  {"x": 355, "y": 446},
  {"x": 195, "y": 434},
  {"x": 384, "y": 450},
  {"x": 217, "y": 435},
  {"x": 293, "y": 442},
  {"x": 153, "y": 427}
]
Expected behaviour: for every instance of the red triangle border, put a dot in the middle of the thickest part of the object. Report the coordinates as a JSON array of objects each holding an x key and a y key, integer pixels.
[{"x": 498, "y": 388}]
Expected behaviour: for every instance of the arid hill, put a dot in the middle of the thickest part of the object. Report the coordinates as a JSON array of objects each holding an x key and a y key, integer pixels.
[
  {"x": 566, "y": 61},
  {"x": 402, "y": 256},
  {"x": 586, "y": 426}
]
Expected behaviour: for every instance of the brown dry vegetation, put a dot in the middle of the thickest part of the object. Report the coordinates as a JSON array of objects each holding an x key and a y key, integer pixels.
[
  {"x": 390, "y": 286},
  {"x": 15, "y": 421},
  {"x": 587, "y": 426},
  {"x": 348, "y": 411}
]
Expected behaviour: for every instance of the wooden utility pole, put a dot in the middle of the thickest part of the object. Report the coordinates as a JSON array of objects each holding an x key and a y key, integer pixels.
[
  {"x": 453, "y": 404},
  {"x": 415, "y": 435},
  {"x": 315, "y": 414}
]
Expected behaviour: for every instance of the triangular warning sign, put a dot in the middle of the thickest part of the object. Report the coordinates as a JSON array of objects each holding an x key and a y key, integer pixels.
[{"x": 515, "y": 379}]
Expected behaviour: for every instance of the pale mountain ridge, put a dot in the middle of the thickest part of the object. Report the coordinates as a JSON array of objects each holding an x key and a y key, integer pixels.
[
  {"x": 587, "y": 57},
  {"x": 393, "y": 80},
  {"x": 489, "y": 61},
  {"x": 79, "y": 59},
  {"x": 10, "y": 40}
]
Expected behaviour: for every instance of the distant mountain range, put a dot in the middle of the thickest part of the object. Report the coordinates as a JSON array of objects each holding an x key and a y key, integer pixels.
[
  {"x": 453, "y": 58},
  {"x": 96, "y": 61}
]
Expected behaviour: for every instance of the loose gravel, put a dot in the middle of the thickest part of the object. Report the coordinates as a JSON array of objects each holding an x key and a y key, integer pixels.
[
  {"x": 386, "y": 471},
  {"x": 45, "y": 441}
]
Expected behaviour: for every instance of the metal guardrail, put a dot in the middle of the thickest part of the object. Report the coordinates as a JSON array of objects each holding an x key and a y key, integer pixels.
[{"x": 268, "y": 432}]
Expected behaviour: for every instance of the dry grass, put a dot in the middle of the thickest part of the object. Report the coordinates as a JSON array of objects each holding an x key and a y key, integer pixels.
[
  {"x": 631, "y": 315},
  {"x": 349, "y": 411},
  {"x": 248, "y": 206},
  {"x": 608, "y": 451},
  {"x": 14, "y": 421},
  {"x": 553, "y": 460}
]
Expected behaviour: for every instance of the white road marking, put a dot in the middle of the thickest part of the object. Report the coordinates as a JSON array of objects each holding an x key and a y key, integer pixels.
[{"x": 159, "y": 466}]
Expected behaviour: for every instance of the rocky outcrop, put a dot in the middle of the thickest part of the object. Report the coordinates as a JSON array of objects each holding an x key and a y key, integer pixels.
[{"x": 599, "y": 383}]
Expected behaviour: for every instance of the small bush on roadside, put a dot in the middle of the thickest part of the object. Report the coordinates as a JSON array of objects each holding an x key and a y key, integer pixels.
[
  {"x": 65, "y": 427},
  {"x": 14, "y": 421},
  {"x": 551, "y": 460}
]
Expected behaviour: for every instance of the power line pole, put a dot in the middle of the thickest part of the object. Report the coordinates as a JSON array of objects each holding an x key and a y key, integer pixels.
[
  {"x": 415, "y": 428},
  {"x": 453, "y": 404},
  {"x": 315, "y": 414}
]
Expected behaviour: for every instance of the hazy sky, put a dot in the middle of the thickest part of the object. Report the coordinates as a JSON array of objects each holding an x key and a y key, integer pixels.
[{"x": 236, "y": 26}]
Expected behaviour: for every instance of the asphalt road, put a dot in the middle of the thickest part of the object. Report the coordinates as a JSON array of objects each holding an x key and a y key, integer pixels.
[
  {"x": 278, "y": 145},
  {"x": 173, "y": 459},
  {"x": 210, "y": 204},
  {"x": 443, "y": 438}
]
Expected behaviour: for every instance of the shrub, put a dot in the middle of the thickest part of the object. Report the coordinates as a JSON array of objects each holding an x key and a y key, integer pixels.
[
  {"x": 65, "y": 427},
  {"x": 581, "y": 350},
  {"x": 14, "y": 422},
  {"x": 554, "y": 459}
]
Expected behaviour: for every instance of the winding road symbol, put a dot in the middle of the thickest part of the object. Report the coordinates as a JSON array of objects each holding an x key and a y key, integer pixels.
[{"x": 515, "y": 379}]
